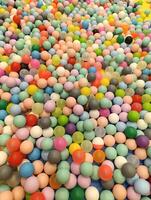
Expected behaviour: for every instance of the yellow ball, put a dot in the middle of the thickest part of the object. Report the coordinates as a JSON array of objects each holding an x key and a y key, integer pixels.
[
  {"x": 55, "y": 60},
  {"x": 9, "y": 107},
  {"x": 58, "y": 15},
  {"x": 105, "y": 81},
  {"x": 86, "y": 91},
  {"x": 99, "y": 96},
  {"x": 73, "y": 147},
  {"x": 32, "y": 89}
]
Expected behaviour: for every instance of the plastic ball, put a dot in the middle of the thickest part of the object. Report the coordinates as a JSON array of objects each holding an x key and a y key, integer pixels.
[
  {"x": 105, "y": 172},
  {"x": 26, "y": 169}
]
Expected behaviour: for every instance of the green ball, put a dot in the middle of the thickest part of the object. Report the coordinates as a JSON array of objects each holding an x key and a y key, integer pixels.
[
  {"x": 73, "y": 118},
  {"x": 62, "y": 176},
  {"x": 57, "y": 112},
  {"x": 19, "y": 44},
  {"x": 88, "y": 125},
  {"x": 38, "y": 97},
  {"x": 19, "y": 121},
  {"x": 130, "y": 132},
  {"x": 147, "y": 106},
  {"x": 120, "y": 93},
  {"x": 3, "y": 139},
  {"x": 64, "y": 154},
  {"x": 4, "y": 188},
  {"x": 120, "y": 39},
  {"x": 110, "y": 129},
  {"x": 146, "y": 98},
  {"x": 122, "y": 150},
  {"x": 68, "y": 139},
  {"x": 3, "y": 104},
  {"x": 106, "y": 195},
  {"x": 110, "y": 153},
  {"x": 86, "y": 169},
  {"x": 105, "y": 103},
  {"x": 118, "y": 176},
  {"x": 133, "y": 116},
  {"x": 89, "y": 135},
  {"x": 47, "y": 45},
  {"x": 77, "y": 193},
  {"x": 62, "y": 120},
  {"x": 62, "y": 194},
  {"x": 149, "y": 152},
  {"x": 58, "y": 88},
  {"x": 64, "y": 165}
]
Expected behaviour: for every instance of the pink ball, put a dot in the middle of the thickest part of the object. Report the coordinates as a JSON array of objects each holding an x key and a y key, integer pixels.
[
  {"x": 104, "y": 112},
  {"x": 31, "y": 184},
  {"x": 78, "y": 109},
  {"x": 59, "y": 143},
  {"x": 49, "y": 106},
  {"x": 71, "y": 182},
  {"x": 116, "y": 109},
  {"x": 1, "y": 72},
  {"x": 126, "y": 107},
  {"x": 10, "y": 82},
  {"x": 34, "y": 63},
  {"x": 123, "y": 116},
  {"x": 68, "y": 86},
  {"x": 109, "y": 95},
  {"x": 75, "y": 168},
  {"x": 84, "y": 182},
  {"x": 48, "y": 193},
  {"x": 22, "y": 133},
  {"x": 132, "y": 195}
]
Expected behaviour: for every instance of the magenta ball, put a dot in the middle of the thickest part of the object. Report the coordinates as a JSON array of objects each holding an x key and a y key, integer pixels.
[{"x": 59, "y": 143}]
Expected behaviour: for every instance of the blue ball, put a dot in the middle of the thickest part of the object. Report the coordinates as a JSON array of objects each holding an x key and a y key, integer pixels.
[
  {"x": 92, "y": 70},
  {"x": 3, "y": 114},
  {"x": 118, "y": 101},
  {"x": 35, "y": 54},
  {"x": 34, "y": 155},
  {"x": 23, "y": 85},
  {"x": 85, "y": 24},
  {"x": 26, "y": 170},
  {"x": 48, "y": 90},
  {"x": 15, "y": 110},
  {"x": 44, "y": 155},
  {"x": 15, "y": 99}
]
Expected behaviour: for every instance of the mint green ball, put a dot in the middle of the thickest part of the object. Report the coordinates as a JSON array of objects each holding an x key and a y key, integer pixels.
[
  {"x": 89, "y": 135},
  {"x": 95, "y": 175},
  {"x": 86, "y": 169},
  {"x": 4, "y": 188},
  {"x": 62, "y": 194},
  {"x": 122, "y": 150},
  {"x": 88, "y": 125},
  {"x": 62, "y": 176},
  {"x": 73, "y": 118},
  {"x": 110, "y": 129},
  {"x": 47, "y": 144},
  {"x": 149, "y": 152},
  {"x": 38, "y": 97},
  {"x": 82, "y": 100},
  {"x": 47, "y": 45},
  {"x": 110, "y": 153},
  {"x": 118, "y": 177},
  {"x": 19, "y": 121},
  {"x": 19, "y": 44},
  {"x": 64, "y": 165},
  {"x": 106, "y": 195},
  {"x": 4, "y": 138},
  {"x": 105, "y": 103},
  {"x": 64, "y": 154}
]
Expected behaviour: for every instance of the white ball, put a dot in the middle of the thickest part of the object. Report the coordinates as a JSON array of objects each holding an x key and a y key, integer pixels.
[
  {"x": 113, "y": 118},
  {"x": 147, "y": 117},
  {"x": 109, "y": 35},
  {"x": 120, "y": 161},
  {"x": 141, "y": 124},
  {"x": 3, "y": 158},
  {"x": 9, "y": 120},
  {"x": 36, "y": 131},
  {"x": 47, "y": 132},
  {"x": 91, "y": 193},
  {"x": 94, "y": 114},
  {"x": 140, "y": 83}
]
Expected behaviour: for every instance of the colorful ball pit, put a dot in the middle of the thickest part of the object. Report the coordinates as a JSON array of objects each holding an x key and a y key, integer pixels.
[{"x": 75, "y": 100}]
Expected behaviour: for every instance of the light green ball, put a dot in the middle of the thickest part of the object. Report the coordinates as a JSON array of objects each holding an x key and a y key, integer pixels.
[
  {"x": 64, "y": 154},
  {"x": 73, "y": 118},
  {"x": 110, "y": 129},
  {"x": 118, "y": 177},
  {"x": 47, "y": 45},
  {"x": 64, "y": 165},
  {"x": 89, "y": 135},
  {"x": 106, "y": 195},
  {"x": 86, "y": 169},
  {"x": 122, "y": 150},
  {"x": 62, "y": 176},
  {"x": 19, "y": 121},
  {"x": 62, "y": 194},
  {"x": 38, "y": 97},
  {"x": 88, "y": 125},
  {"x": 3, "y": 139},
  {"x": 111, "y": 153},
  {"x": 4, "y": 188},
  {"x": 82, "y": 100}
]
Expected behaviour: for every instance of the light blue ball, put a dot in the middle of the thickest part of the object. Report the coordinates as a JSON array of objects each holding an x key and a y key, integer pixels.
[
  {"x": 26, "y": 170},
  {"x": 3, "y": 114},
  {"x": 142, "y": 187}
]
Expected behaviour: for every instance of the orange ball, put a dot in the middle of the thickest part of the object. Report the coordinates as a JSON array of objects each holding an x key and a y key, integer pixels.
[
  {"x": 120, "y": 138},
  {"x": 18, "y": 193},
  {"x": 49, "y": 168},
  {"x": 7, "y": 195},
  {"x": 131, "y": 144},
  {"x": 142, "y": 171},
  {"x": 119, "y": 192},
  {"x": 38, "y": 166},
  {"x": 43, "y": 180},
  {"x": 78, "y": 156},
  {"x": 105, "y": 172},
  {"x": 141, "y": 153},
  {"x": 53, "y": 182},
  {"x": 99, "y": 156},
  {"x": 26, "y": 147},
  {"x": 109, "y": 140}
]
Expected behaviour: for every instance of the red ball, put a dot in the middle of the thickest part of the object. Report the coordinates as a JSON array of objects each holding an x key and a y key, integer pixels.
[
  {"x": 37, "y": 196},
  {"x": 78, "y": 156},
  {"x": 137, "y": 98},
  {"x": 44, "y": 74},
  {"x": 105, "y": 172},
  {"x": 136, "y": 106},
  {"x": 13, "y": 144},
  {"x": 31, "y": 120},
  {"x": 72, "y": 60},
  {"x": 16, "y": 19},
  {"x": 42, "y": 27},
  {"x": 16, "y": 158},
  {"x": 26, "y": 59},
  {"x": 15, "y": 67}
]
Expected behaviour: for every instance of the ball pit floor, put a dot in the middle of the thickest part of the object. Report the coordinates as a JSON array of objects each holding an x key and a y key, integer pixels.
[{"x": 75, "y": 100}]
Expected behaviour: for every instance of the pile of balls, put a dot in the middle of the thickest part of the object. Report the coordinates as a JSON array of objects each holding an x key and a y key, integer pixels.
[{"x": 75, "y": 100}]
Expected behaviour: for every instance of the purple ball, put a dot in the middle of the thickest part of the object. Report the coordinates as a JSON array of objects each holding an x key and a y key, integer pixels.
[
  {"x": 142, "y": 141},
  {"x": 70, "y": 128}
]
